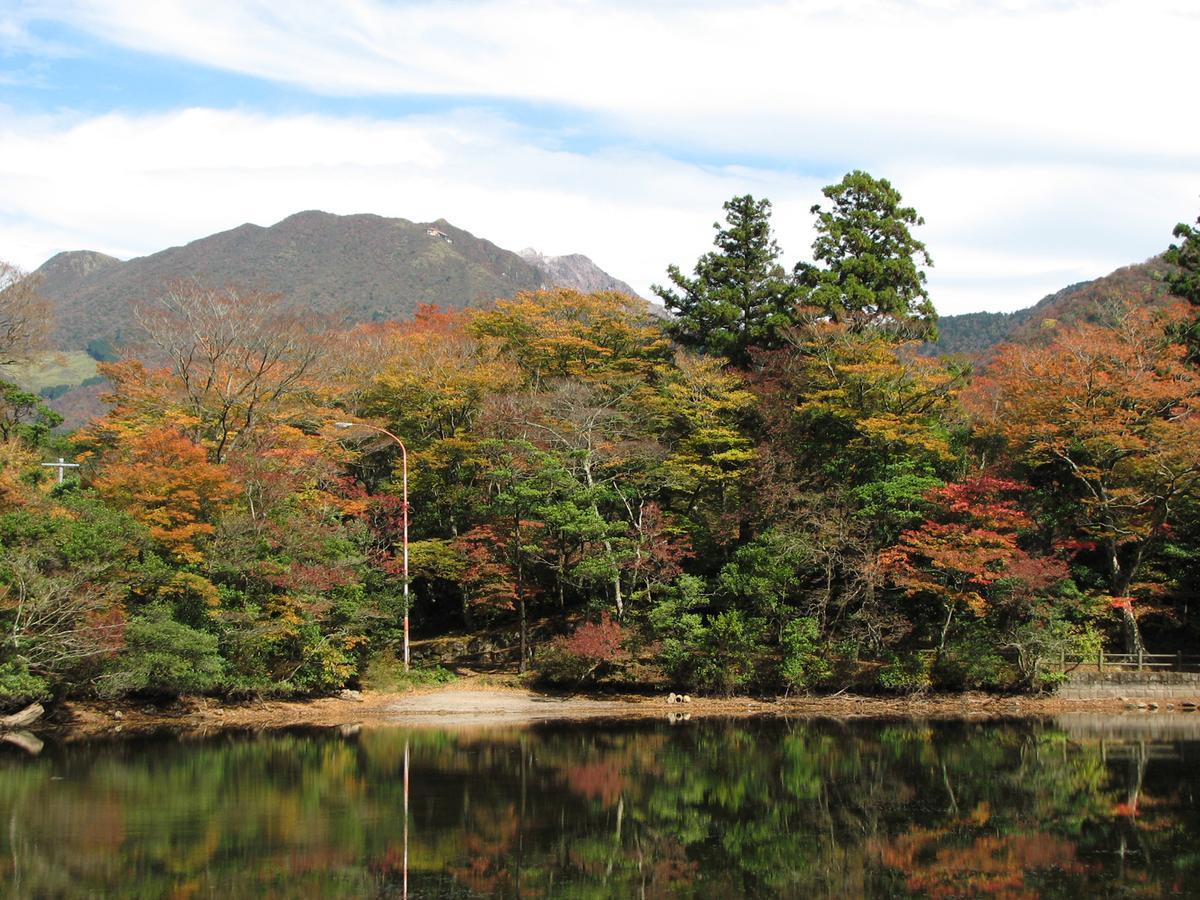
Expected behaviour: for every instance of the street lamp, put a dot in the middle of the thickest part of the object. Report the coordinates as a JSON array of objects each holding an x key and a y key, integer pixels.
[{"x": 404, "y": 459}]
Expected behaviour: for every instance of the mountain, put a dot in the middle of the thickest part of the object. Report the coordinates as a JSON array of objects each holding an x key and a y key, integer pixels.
[
  {"x": 575, "y": 271},
  {"x": 356, "y": 268},
  {"x": 1087, "y": 301}
]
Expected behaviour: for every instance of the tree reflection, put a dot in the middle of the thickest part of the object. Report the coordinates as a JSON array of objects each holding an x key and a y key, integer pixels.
[{"x": 708, "y": 808}]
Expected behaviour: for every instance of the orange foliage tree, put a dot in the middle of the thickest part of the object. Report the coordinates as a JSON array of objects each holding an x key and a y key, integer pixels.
[
  {"x": 164, "y": 479},
  {"x": 562, "y": 333},
  {"x": 1111, "y": 415},
  {"x": 967, "y": 555}
]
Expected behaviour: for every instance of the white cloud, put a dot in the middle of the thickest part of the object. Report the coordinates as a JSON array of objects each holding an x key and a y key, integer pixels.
[
  {"x": 797, "y": 79},
  {"x": 1044, "y": 142},
  {"x": 134, "y": 184},
  {"x": 1002, "y": 236}
]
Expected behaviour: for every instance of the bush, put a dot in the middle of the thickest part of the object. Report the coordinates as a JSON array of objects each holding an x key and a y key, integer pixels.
[
  {"x": 709, "y": 654},
  {"x": 907, "y": 673},
  {"x": 590, "y": 649},
  {"x": 164, "y": 657},
  {"x": 385, "y": 673},
  {"x": 972, "y": 660},
  {"x": 18, "y": 688},
  {"x": 805, "y": 661}
]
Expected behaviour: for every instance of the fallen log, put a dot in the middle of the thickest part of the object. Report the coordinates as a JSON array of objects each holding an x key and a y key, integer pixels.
[{"x": 27, "y": 716}]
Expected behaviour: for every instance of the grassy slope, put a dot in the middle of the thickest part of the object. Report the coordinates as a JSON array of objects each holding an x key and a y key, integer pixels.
[{"x": 50, "y": 369}]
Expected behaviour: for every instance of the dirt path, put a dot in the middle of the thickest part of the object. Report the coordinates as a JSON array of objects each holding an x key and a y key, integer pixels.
[{"x": 483, "y": 701}]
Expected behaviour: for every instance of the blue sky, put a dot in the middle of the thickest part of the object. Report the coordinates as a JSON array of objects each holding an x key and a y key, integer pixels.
[{"x": 1044, "y": 142}]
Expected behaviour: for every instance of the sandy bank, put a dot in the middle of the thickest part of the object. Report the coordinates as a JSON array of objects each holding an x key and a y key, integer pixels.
[{"x": 474, "y": 701}]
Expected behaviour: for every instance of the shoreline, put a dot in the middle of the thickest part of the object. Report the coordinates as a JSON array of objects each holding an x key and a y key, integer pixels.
[{"x": 478, "y": 703}]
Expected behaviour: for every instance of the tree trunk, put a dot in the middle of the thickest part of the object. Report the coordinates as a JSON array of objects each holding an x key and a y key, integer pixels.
[
  {"x": 521, "y": 666},
  {"x": 617, "y": 597},
  {"x": 1120, "y": 578},
  {"x": 1130, "y": 631}
]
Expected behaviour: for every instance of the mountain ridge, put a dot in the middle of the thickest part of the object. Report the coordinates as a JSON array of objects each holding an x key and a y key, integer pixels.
[{"x": 358, "y": 267}]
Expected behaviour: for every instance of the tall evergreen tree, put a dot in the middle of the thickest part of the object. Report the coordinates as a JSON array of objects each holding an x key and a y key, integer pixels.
[
  {"x": 740, "y": 296},
  {"x": 869, "y": 264},
  {"x": 1184, "y": 281}
]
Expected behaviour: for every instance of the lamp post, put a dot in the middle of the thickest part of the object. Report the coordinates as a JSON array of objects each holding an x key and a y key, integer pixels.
[{"x": 404, "y": 483}]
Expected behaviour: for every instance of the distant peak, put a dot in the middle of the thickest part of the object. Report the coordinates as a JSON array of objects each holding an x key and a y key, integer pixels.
[{"x": 79, "y": 261}]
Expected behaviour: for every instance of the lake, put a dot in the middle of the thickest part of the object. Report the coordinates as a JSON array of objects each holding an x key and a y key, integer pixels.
[{"x": 1082, "y": 807}]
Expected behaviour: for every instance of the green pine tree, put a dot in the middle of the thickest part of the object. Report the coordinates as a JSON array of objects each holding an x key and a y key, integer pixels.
[
  {"x": 740, "y": 296},
  {"x": 1184, "y": 281},
  {"x": 869, "y": 264}
]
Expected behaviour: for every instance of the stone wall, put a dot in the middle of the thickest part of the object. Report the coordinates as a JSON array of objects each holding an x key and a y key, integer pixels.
[{"x": 1131, "y": 685}]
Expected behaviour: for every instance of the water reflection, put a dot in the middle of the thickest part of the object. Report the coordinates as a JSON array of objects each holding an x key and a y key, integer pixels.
[{"x": 703, "y": 808}]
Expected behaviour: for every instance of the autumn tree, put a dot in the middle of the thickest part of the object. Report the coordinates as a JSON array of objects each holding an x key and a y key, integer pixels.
[
  {"x": 24, "y": 315},
  {"x": 971, "y": 559},
  {"x": 430, "y": 380},
  {"x": 235, "y": 357},
  {"x": 857, "y": 411},
  {"x": 165, "y": 480},
  {"x": 867, "y": 272},
  {"x": 562, "y": 333},
  {"x": 739, "y": 296},
  {"x": 1108, "y": 417}
]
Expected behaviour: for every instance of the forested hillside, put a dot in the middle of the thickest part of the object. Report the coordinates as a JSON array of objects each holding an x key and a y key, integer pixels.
[
  {"x": 771, "y": 491},
  {"x": 1089, "y": 301}
]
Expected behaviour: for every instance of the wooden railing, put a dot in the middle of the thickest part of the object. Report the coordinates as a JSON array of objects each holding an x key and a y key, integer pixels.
[{"x": 1135, "y": 662}]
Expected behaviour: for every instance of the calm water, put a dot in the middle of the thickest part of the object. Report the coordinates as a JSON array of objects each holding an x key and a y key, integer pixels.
[{"x": 699, "y": 808}]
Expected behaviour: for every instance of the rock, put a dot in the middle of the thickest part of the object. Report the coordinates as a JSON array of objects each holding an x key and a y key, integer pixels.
[
  {"x": 1130, "y": 705},
  {"x": 671, "y": 698},
  {"x": 350, "y": 695},
  {"x": 1152, "y": 705},
  {"x": 687, "y": 698},
  {"x": 118, "y": 715}
]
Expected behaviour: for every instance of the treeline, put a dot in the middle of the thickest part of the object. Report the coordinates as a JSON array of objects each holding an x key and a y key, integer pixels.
[{"x": 771, "y": 491}]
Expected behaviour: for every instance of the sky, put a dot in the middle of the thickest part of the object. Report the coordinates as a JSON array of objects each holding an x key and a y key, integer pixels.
[{"x": 1044, "y": 143}]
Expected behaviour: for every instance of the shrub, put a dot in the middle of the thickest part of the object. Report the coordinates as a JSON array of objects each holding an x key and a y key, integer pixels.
[
  {"x": 711, "y": 654},
  {"x": 384, "y": 672},
  {"x": 19, "y": 688},
  {"x": 907, "y": 673},
  {"x": 591, "y": 648},
  {"x": 164, "y": 657},
  {"x": 805, "y": 660}
]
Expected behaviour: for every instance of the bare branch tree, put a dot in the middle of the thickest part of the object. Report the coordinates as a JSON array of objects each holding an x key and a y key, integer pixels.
[
  {"x": 239, "y": 356},
  {"x": 55, "y": 620},
  {"x": 24, "y": 315}
]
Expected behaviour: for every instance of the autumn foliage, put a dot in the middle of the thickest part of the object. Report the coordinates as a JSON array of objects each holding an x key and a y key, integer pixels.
[{"x": 817, "y": 505}]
